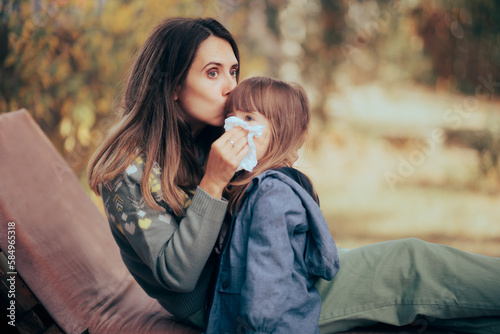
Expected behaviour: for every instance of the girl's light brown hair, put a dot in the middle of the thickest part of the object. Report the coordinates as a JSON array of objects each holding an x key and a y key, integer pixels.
[
  {"x": 152, "y": 123},
  {"x": 287, "y": 109}
]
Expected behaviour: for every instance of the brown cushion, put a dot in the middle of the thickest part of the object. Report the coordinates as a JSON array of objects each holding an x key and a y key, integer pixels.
[{"x": 64, "y": 249}]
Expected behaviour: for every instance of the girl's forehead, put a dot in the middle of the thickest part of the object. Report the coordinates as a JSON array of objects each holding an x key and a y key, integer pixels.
[{"x": 242, "y": 111}]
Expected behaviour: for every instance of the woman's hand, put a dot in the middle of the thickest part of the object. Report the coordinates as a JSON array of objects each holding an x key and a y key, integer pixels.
[{"x": 224, "y": 158}]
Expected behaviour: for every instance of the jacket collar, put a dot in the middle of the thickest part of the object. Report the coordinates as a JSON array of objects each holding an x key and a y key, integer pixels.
[{"x": 321, "y": 255}]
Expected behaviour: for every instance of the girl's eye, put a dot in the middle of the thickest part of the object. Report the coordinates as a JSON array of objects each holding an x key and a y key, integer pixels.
[
  {"x": 249, "y": 119},
  {"x": 213, "y": 74}
]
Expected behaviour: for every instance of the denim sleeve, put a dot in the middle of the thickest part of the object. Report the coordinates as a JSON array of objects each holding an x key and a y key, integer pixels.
[{"x": 269, "y": 284}]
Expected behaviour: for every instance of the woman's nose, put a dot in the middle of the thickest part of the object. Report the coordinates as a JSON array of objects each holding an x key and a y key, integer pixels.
[{"x": 229, "y": 85}]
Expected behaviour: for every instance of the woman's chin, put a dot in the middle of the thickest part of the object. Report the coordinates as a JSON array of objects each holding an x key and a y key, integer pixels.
[{"x": 219, "y": 122}]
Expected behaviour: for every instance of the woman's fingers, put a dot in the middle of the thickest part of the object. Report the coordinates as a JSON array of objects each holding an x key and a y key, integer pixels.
[
  {"x": 224, "y": 158},
  {"x": 242, "y": 152},
  {"x": 230, "y": 144},
  {"x": 233, "y": 136},
  {"x": 238, "y": 145}
]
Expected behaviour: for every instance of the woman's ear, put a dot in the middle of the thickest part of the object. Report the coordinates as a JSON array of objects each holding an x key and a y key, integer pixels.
[{"x": 176, "y": 93}]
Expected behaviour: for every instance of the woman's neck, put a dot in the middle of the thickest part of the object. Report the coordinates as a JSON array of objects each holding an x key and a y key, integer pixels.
[{"x": 195, "y": 126}]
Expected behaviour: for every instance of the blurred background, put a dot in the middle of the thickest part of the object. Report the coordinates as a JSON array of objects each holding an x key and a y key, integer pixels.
[{"x": 405, "y": 138}]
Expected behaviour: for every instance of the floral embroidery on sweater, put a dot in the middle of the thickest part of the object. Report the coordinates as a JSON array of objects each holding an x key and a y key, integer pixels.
[{"x": 124, "y": 223}]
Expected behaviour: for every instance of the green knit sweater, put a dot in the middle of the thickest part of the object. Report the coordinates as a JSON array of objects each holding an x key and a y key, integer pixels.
[{"x": 168, "y": 256}]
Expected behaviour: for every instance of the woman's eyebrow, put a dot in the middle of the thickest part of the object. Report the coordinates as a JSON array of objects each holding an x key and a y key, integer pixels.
[
  {"x": 218, "y": 64},
  {"x": 211, "y": 63}
]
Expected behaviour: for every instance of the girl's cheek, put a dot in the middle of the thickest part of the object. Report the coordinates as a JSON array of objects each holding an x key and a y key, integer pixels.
[{"x": 262, "y": 144}]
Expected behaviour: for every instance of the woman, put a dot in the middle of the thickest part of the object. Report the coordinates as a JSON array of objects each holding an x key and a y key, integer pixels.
[
  {"x": 162, "y": 195},
  {"x": 162, "y": 192}
]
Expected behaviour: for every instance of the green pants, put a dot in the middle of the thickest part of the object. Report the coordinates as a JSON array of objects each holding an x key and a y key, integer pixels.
[{"x": 411, "y": 281}]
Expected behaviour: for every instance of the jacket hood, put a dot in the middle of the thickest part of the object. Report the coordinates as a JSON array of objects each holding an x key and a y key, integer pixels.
[{"x": 320, "y": 256}]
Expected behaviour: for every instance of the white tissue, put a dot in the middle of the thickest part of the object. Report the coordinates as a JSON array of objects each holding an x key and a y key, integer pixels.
[{"x": 250, "y": 160}]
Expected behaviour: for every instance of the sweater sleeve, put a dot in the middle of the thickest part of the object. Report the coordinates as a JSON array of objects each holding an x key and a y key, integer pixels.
[
  {"x": 175, "y": 252},
  {"x": 270, "y": 289}
]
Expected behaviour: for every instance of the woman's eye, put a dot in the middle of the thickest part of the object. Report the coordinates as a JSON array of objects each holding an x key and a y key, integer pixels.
[
  {"x": 213, "y": 74},
  {"x": 234, "y": 72}
]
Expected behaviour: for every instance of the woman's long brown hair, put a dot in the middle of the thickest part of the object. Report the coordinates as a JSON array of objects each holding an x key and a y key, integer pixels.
[
  {"x": 287, "y": 109},
  {"x": 152, "y": 122}
]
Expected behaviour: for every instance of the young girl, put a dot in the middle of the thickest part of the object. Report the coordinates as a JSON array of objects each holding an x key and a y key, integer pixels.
[
  {"x": 279, "y": 257},
  {"x": 279, "y": 242}
]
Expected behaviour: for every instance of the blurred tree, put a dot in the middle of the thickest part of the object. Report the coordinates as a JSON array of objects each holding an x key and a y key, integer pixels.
[
  {"x": 65, "y": 60},
  {"x": 304, "y": 38},
  {"x": 463, "y": 40}
]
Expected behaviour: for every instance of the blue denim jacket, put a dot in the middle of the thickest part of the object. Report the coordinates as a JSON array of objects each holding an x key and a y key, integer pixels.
[{"x": 278, "y": 245}]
